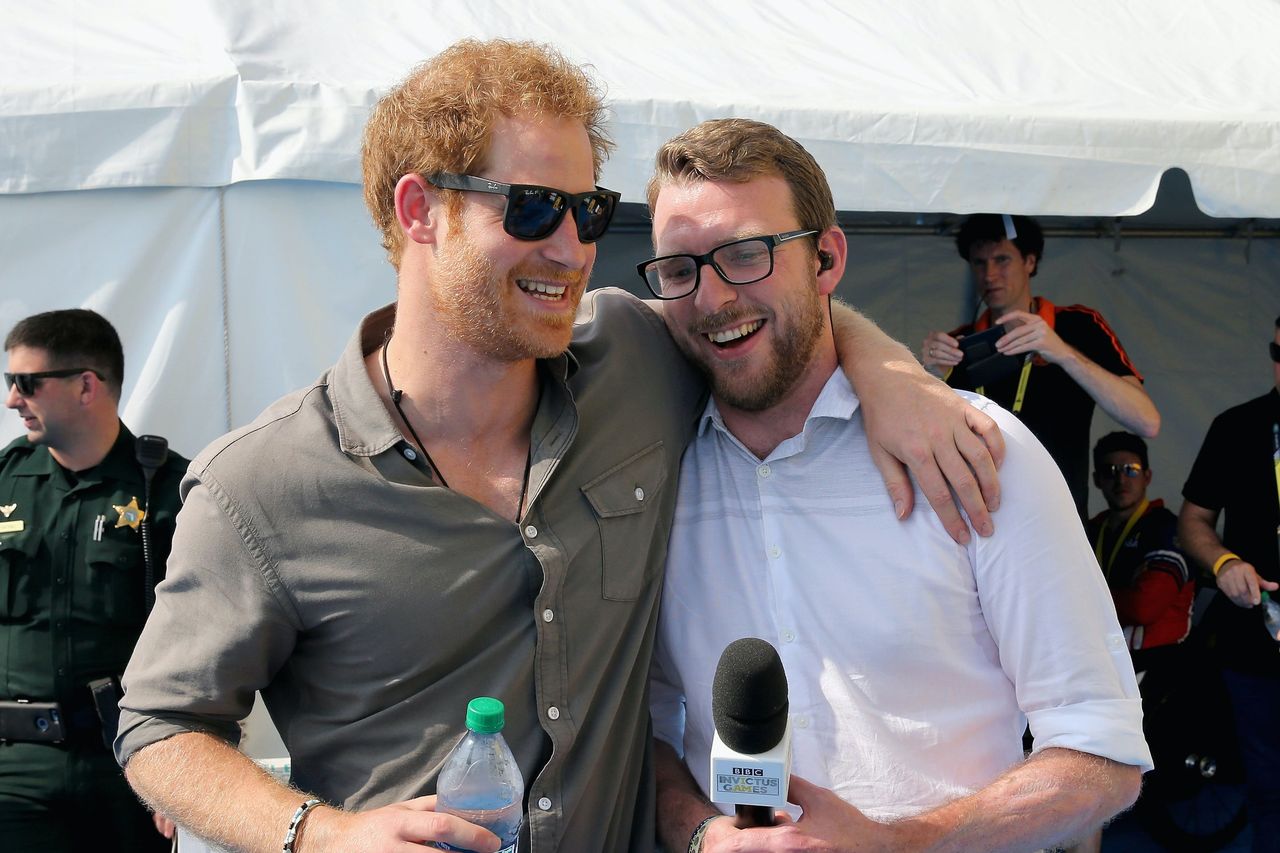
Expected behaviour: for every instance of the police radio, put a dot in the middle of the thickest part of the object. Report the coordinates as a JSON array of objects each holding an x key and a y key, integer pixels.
[{"x": 151, "y": 451}]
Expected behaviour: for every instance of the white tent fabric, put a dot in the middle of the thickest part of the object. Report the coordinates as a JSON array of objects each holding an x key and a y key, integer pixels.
[{"x": 1044, "y": 108}]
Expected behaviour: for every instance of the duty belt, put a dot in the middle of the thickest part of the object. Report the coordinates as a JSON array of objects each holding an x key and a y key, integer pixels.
[{"x": 28, "y": 721}]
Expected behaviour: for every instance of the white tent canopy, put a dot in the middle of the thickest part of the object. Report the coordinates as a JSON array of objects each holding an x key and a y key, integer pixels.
[
  {"x": 1044, "y": 108},
  {"x": 191, "y": 170}
]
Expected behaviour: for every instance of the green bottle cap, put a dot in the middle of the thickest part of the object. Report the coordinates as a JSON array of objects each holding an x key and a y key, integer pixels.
[
  {"x": 485, "y": 715},
  {"x": 1265, "y": 597}
]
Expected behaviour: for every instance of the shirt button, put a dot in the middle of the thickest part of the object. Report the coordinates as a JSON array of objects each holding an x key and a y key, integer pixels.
[
  {"x": 639, "y": 493},
  {"x": 764, "y": 471},
  {"x": 802, "y": 722},
  {"x": 548, "y": 615},
  {"x": 61, "y": 581},
  {"x": 531, "y": 532},
  {"x": 775, "y": 552},
  {"x": 553, "y": 713},
  {"x": 410, "y": 454},
  {"x": 544, "y": 803},
  {"x": 788, "y": 636}
]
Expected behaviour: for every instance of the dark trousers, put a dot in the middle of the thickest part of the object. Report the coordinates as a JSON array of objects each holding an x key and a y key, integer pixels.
[
  {"x": 1255, "y": 703},
  {"x": 56, "y": 798}
]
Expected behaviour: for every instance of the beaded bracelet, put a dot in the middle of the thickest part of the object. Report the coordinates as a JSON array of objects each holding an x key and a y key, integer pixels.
[
  {"x": 1222, "y": 561},
  {"x": 695, "y": 840},
  {"x": 296, "y": 822}
]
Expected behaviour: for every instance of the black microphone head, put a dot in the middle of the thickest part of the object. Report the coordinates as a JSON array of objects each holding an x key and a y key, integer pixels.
[{"x": 749, "y": 697}]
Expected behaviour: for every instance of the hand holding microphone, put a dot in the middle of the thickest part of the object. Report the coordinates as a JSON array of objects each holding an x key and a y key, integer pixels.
[{"x": 751, "y": 751}]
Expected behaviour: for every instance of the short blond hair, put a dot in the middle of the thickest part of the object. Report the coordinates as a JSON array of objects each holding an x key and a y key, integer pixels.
[
  {"x": 440, "y": 117},
  {"x": 738, "y": 150}
]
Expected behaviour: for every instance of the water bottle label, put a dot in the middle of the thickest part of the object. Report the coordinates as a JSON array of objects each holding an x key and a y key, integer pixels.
[{"x": 508, "y": 849}]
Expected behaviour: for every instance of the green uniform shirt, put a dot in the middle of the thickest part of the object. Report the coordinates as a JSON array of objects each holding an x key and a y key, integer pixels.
[{"x": 71, "y": 567}]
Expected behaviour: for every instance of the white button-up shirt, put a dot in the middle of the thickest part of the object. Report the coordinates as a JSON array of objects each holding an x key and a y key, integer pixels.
[{"x": 913, "y": 663}]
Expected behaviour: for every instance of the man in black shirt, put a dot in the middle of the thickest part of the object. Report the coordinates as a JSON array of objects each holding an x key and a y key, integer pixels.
[
  {"x": 1058, "y": 360},
  {"x": 1238, "y": 473}
]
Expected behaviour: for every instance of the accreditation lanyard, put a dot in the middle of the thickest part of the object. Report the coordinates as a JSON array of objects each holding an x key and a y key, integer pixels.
[
  {"x": 1022, "y": 393},
  {"x": 1275, "y": 461},
  {"x": 1124, "y": 534}
]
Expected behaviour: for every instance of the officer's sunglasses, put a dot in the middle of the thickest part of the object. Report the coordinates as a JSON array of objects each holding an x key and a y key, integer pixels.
[
  {"x": 1131, "y": 470},
  {"x": 27, "y": 383},
  {"x": 534, "y": 212}
]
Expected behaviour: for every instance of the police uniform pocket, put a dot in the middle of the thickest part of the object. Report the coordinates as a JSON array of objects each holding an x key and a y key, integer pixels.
[
  {"x": 17, "y": 554},
  {"x": 116, "y": 578},
  {"x": 624, "y": 499}
]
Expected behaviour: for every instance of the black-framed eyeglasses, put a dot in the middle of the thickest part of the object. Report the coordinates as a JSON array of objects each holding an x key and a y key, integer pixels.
[
  {"x": 28, "y": 382},
  {"x": 1275, "y": 351},
  {"x": 1130, "y": 470},
  {"x": 744, "y": 261},
  {"x": 534, "y": 212}
]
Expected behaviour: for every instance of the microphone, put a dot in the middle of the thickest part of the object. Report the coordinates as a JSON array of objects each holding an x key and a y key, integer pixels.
[{"x": 751, "y": 750}]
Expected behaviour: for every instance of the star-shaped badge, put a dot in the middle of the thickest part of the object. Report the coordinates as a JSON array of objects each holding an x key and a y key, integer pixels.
[{"x": 131, "y": 514}]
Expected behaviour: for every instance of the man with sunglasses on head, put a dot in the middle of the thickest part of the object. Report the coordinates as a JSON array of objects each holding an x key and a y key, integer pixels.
[
  {"x": 1135, "y": 541},
  {"x": 474, "y": 500},
  {"x": 1237, "y": 475},
  {"x": 1052, "y": 364},
  {"x": 73, "y": 586},
  {"x": 912, "y": 665}
]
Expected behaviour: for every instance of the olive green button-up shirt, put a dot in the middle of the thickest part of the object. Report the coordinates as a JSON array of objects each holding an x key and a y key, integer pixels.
[
  {"x": 317, "y": 561},
  {"x": 71, "y": 575}
]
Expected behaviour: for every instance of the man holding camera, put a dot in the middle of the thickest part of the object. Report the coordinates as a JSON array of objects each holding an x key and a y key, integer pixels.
[
  {"x": 1058, "y": 361},
  {"x": 77, "y": 498}
]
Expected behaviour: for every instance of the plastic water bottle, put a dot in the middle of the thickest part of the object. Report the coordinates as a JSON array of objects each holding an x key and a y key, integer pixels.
[
  {"x": 480, "y": 781},
  {"x": 1271, "y": 615}
]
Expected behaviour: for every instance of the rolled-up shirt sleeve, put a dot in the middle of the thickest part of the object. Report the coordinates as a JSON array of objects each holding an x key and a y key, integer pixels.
[
  {"x": 1051, "y": 615},
  {"x": 221, "y": 628}
]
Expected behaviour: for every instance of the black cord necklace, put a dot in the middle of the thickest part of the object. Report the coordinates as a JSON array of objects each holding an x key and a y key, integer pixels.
[{"x": 395, "y": 394}]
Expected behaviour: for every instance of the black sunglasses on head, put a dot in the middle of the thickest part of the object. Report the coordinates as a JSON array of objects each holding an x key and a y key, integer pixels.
[
  {"x": 28, "y": 382},
  {"x": 534, "y": 212}
]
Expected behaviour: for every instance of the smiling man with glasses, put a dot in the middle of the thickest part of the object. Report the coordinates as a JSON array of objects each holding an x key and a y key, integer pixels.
[
  {"x": 1135, "y": 541},
  {"x": 912, "y": 664},
  {"x": 73, "y": 585}
]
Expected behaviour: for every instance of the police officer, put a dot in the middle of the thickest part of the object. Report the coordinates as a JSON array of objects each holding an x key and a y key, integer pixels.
[{"x": 78, "y": 495}]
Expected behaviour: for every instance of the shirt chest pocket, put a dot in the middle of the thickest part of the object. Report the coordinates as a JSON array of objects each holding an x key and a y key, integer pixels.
[
  {"x": 115, "y": 579},
  {"x": 18, "y": 582},
  {"x": 626, "y": 505}
]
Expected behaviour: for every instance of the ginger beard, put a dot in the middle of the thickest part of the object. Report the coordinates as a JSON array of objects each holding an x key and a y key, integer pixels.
[
  {"x": 795, "y": 326},
  {"x": 480, "y": 306}
]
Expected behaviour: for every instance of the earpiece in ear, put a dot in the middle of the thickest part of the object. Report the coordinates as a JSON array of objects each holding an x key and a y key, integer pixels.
[{"x": 825, "y": 261}]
